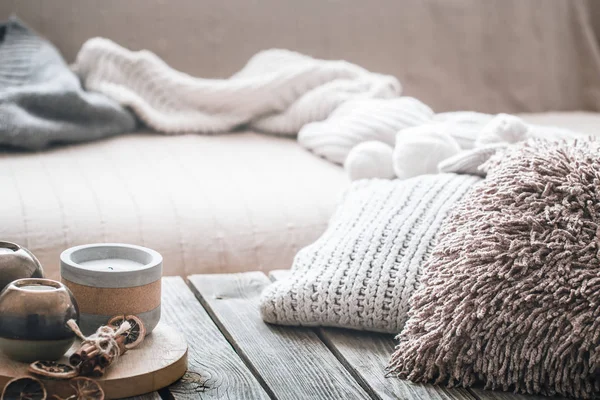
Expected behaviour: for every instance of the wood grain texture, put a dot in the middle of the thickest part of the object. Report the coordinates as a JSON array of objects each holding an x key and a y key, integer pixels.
[
  {"x": 292, "y": 362},
  {"x": 496, "y": 395},
  {"x": 215, "y": 371},
  {"x": 156, "y": 363},
  {"x": 149, "y": 396},
  {"x": 366, "y": 355}
]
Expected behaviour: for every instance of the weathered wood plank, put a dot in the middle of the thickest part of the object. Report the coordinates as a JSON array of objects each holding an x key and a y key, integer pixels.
[
  {"x": 366, "y": 354},
  {"x": 215, "y": 371},
  {"x": 497, "y": 395},
  {"x": 293, "y": 362},
  {"x": 148, "y": 396}
]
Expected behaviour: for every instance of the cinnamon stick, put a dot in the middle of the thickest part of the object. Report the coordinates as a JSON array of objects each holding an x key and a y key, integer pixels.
[
  {"x": 92, "y": 353},
  {"x": 104, "y": 360},
  {"x": 121, "y": 343},
  {"x": 87, "y": 367},
  {"x": 98, "y": 372},
  {"x": 92, "y": 360}
]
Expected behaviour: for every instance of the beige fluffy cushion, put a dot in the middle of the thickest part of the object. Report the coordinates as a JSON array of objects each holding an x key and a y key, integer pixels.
[{"x": 511, "y": 295}]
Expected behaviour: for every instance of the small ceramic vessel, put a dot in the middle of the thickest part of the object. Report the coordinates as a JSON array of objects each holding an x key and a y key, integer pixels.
[
  {"x": 33, "y": 317},
  {"x": 17, "y": 262},
  {"x": 109, "y": 279}
]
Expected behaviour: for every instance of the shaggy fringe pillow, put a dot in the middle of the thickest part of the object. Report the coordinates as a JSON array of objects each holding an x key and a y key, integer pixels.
[
  {"x": 362, "y": 271},
  {"x": 511, "y": 295}
]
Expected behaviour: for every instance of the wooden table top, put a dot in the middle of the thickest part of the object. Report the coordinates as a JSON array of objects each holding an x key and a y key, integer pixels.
[{"x": 233, "y": 354}]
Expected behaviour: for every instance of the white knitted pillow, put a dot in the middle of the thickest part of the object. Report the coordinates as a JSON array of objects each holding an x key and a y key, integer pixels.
[{"x": 362, "y": 271}]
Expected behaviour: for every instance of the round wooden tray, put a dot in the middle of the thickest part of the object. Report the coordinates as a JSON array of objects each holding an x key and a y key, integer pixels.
[{"x": 160, "y": 360}]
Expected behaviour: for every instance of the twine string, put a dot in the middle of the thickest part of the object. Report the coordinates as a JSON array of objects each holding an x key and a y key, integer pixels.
[{"x": 104, "y": 339}]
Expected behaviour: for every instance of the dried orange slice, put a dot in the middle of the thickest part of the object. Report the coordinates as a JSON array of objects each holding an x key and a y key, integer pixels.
[
  {"x": 86, "y": 389},
  {"x": 25, "y": 388},
  {"x": 52, "y": 369},
  {"x": 134, "y": 335}
]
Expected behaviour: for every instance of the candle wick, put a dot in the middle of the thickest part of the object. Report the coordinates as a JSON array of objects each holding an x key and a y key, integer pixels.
[{"x": 110, "y": 267}]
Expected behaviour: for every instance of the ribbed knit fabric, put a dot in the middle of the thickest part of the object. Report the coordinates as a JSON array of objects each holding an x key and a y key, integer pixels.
[
  {"x": 41, "y": 100},
  {"x": 363, "y": 270},
  {"x": 360, "y": 121},
  {"x": 278, "y": 91}
]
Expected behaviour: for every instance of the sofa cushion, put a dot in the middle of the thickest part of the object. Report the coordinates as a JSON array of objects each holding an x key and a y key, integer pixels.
[
  {"x": 363, "y": 270},
  {"x": 509, "y": 297},
  {"x": 223, "y": 203}
]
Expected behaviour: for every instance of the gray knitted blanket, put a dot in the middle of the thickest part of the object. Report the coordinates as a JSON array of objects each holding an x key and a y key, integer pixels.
[{"x": 41, "y": 99}]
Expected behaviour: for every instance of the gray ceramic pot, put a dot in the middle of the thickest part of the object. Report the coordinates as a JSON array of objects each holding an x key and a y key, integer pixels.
[
  {"x": 17, "y": 262},
  {"x": 109, "y": 279},
  {"x": 33, "y": 317}
]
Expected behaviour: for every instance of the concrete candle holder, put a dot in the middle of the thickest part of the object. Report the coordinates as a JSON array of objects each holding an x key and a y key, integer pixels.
[{"x": 110, "y": 279}]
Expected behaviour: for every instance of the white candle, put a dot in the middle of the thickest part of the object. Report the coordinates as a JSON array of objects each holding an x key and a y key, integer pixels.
[
  {"x": 112, "y": 264},
  {"x": 40, "y": 288}
]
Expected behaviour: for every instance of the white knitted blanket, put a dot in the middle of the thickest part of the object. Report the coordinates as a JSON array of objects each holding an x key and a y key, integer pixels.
[
  {"x": 278, "y": 91},
  {"x": 333, "y": 107}
]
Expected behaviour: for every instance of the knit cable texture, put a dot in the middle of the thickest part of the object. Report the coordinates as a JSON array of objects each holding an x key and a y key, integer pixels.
[
  {"x": 362, "y": 271},
  {"x": 278, "y": 91}
]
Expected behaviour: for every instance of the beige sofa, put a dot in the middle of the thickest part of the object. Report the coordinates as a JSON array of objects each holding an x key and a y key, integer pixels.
[{"x": 247, "y": 201}]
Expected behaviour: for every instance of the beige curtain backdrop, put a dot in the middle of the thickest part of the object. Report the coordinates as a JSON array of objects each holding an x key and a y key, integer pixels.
[{"x": 491, "y": 56}]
